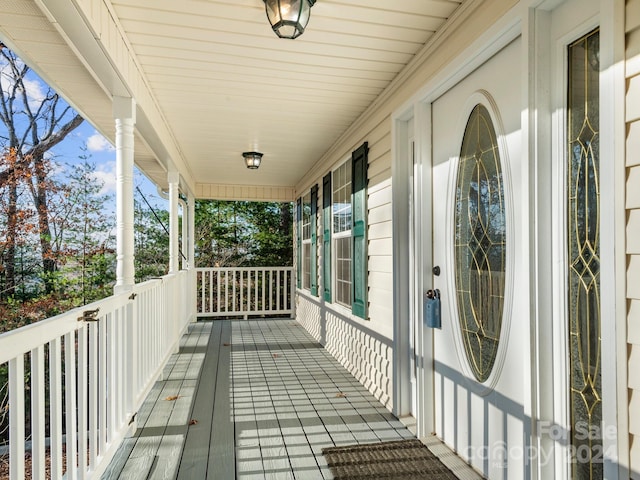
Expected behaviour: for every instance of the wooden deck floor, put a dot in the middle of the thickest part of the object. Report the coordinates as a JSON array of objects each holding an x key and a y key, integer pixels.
[{"x": 250, "y": 400}]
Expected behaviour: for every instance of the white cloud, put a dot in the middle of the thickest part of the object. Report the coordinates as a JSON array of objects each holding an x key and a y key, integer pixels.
[
  {"x": 97, "y": 143},
  {"x": 106, "y": 173},
  {"x": 35, "y": 91}
]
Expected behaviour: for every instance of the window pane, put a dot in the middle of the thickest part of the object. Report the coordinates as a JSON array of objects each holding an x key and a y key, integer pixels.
[
  {"x": 342, "y": 198},
  {"x": 306, "y": 265},
  {"x": 343, "y": 270},
  {"x": 480, "y": 242},
  {"x": 306, "y": 216}
]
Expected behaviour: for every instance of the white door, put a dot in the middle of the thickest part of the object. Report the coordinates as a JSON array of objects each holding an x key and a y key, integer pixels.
[{"x": 479, "y": 356}]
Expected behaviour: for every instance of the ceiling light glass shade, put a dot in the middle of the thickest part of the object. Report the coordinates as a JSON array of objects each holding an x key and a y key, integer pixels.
[
  {"x": 288, "y": 18},
  {"x": 252, "y": 159}
]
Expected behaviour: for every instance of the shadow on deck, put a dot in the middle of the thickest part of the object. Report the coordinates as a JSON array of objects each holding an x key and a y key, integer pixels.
[{"x": 250, "y": 400}]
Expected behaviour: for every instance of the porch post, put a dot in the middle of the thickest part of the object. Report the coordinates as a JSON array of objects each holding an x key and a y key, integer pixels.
[
  {"x": 174, "y": 180},
  {"x": 124, "y": 113},
  {"x": 184, "y": 235},
  {"x": 191, "y": 256}
]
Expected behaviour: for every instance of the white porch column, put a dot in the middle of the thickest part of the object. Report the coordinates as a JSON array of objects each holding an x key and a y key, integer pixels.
[
  {"x": 174, "y": 181},
  {"x": 191, "y": 255},
  {"x": 124, "y": 113},
  {"x": 191, "y": 234}
]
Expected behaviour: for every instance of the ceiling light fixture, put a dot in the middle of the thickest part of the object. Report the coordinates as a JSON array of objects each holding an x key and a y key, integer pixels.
[
  {"x": 288, "y": 18},
  {"x": 252, "y": 159}
]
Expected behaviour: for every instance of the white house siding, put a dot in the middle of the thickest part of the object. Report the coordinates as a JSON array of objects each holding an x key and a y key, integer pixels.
[
  {"x": 365, "y": 347},
  {"x": 633, "y": 226}
]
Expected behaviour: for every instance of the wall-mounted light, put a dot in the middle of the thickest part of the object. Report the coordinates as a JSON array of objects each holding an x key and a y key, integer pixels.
[
  {"x": 252, "y": 159},
  {"x": 288, "y": 18}
]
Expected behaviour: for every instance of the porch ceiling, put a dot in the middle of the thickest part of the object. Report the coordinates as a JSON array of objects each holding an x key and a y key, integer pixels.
[{"x": 221, "y": 80}]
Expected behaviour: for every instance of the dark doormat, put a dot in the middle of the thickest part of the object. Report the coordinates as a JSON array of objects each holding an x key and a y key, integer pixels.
[{"x": 405, "y": 459}]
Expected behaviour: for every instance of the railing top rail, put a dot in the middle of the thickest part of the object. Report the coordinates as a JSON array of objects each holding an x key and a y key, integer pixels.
[{"x": 244, "y": 269}]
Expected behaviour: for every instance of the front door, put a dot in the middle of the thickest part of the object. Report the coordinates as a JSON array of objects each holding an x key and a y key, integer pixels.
[{"x": 480, "y": 360}]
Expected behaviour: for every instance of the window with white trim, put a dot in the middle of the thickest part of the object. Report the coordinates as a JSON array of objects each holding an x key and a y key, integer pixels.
[
  {"x": 341, "y": 221},
  {"x": 306, "y": 241}
]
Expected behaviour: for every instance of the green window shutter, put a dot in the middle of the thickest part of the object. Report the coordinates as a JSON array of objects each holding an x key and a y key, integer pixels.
[
  {"x": 299, "y": 235},
  {"x": 359, "y": 161},
  {"x": 326, "y": 236},
  {"x": 313, "y": 269}
]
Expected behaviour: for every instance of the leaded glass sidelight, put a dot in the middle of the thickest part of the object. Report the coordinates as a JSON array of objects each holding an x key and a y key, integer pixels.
[
  {"x": 584, "y": 256},
  {"x": 480, "y": 243}
]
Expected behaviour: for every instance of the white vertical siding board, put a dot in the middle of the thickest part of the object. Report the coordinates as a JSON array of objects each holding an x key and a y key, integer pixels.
[{"x": 16, "y": 418}]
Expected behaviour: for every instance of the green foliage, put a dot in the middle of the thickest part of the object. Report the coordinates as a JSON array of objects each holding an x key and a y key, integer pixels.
[
  {"x": 151, "y": 241},
  {"x": 243, "y": 234},
  {"x": 83, "y": 238}
]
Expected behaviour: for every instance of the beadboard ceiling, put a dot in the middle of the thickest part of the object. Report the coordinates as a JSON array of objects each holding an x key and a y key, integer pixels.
[{"x": 225, "y": 83}]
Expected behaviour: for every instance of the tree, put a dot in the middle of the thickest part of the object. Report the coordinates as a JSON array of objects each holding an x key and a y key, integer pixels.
[
  {"x": 82, "y": 235},
  {"x": 17, "y": 221},
  {"x": 151, "y": 240},
  {"x": 36, "y": 121},
  {"x": 243, "y": 234}
]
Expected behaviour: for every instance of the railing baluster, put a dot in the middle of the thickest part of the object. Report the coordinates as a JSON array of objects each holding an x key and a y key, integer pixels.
[
  {"x": 83, "y": 377},
  {"x": 55, "y": 407},
  {"x": 16, "y": 418},
  {"x": 93, "y": 394},
  {"x": 210, "y": 291},
  {"x": 37, "y": 413},
  {"x": 241, "y": 288},
  {"x": 102, "y": 396},
  {"x": 255, "y": 304},
  {"x": 226, "y": 290},
  {"x": 278, "y": 290},
  {"x": 70, "y": 393}
]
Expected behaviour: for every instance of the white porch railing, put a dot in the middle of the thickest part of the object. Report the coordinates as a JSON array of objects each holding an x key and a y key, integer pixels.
[
  {"x": 90, "y": 369},
  {"x": 229, "y": 291}
]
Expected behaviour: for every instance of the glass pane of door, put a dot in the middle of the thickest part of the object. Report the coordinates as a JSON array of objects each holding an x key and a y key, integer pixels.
[{"x": 584, "y": 256}]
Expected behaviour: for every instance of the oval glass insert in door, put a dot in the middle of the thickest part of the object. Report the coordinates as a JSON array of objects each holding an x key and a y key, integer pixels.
[{"x": 480, "y": 243}]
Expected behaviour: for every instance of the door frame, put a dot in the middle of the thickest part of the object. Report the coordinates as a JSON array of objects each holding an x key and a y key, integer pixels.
[
  {"x": 528, "y": 18},
  {"x": 551, "y": 209}
]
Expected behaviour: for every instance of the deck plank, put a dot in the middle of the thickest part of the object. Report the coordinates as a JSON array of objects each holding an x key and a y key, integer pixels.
[
  {"x": 222, "y": 459},
  {"x": 153, "y": 451},
  {"x": 267, "y": 399},
  {"x": 195, "y": 457}
]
